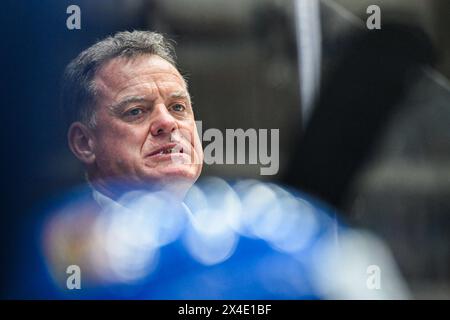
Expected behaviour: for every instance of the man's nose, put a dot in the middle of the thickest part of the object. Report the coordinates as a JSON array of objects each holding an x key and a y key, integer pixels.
[{"x": 162, "y": 121}]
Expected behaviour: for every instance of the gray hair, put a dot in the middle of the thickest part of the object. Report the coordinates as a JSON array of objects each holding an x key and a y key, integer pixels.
[{"x": 78, "y": 87}]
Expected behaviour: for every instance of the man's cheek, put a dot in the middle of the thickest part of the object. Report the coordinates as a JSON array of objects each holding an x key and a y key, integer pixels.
[
  {"x": 122, "y": 153},
  {"x": 192, "y": 143}
]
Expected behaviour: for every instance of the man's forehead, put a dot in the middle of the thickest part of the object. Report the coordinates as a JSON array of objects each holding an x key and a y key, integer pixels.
[{"x": 120, "y": 73}]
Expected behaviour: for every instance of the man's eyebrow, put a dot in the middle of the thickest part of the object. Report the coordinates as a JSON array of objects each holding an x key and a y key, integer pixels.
[
  {"x": 180, "y": 95},
  {"x": 119, "y": 106}
]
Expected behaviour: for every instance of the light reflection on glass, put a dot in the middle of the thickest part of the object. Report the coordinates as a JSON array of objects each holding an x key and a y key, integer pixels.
[{"x": 126, "y": 241}]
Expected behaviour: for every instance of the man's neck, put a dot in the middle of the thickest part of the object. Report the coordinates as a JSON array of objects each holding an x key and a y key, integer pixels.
[{"x": 115, "y": 190}]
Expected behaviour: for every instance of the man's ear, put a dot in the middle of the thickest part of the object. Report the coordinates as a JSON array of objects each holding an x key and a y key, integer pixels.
[{"x": 81, "y": 142}]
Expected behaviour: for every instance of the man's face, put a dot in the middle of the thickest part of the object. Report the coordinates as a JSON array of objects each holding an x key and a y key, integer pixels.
[{"x": 145, "y": 133}]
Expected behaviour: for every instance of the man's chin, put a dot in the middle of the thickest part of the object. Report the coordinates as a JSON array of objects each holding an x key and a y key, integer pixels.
[
  {"x": 172, "y": 171},
  {"x": 173, "y": 177}
]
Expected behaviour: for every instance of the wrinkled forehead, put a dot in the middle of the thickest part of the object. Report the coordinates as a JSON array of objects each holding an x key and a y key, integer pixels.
[{"x": 122, "y": 74}]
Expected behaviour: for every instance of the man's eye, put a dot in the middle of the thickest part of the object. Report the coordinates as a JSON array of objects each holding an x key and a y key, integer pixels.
[
  {"x": 134, "y": 112},
  {"x": 178, "y": 107}
]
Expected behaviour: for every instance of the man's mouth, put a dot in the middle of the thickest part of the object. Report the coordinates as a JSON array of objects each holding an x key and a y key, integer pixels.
[{"x": 167, "y": 149}]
